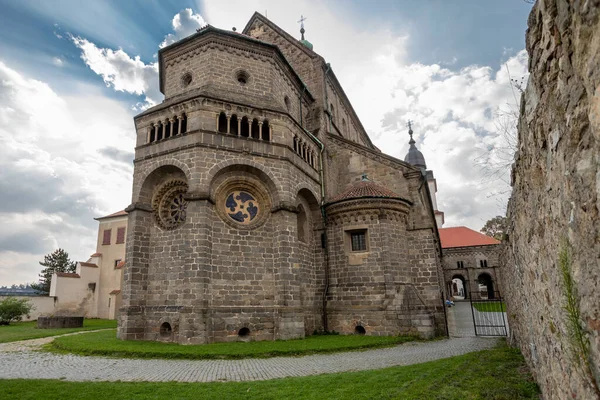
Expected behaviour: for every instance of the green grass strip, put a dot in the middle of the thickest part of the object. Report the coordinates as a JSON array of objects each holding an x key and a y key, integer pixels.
[
  {"x": 489, "y": 306},
  {"x": 105, "y": 343},
  {"x": 28, "y": 330},
  {"x": 498, "y": 374}
]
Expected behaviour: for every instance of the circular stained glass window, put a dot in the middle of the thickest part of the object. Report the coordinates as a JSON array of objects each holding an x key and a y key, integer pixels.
[
  {"x": 242, "y": 207},
  {"x": 170, "y": 206}
]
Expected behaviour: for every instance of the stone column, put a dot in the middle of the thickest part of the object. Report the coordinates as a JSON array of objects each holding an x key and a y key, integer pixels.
[
  {"x": 148, "y": 134},
  {"x": 196, "y": 273},
  {"x": 239, "y": 126},
  {"x": 179, "y": 119},
  {"x": 228, "y": 123},
  {"x": 289, "y": 323},
  {"x": 260, "y": 124},
  {"x": 132, "y": 319}
]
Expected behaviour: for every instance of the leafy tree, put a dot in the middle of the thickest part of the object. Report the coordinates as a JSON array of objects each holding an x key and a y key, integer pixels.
[
  {"x": 13, "y": 309},
  {"x": 495, "y": 227},
  {"x": 57, "y": 261}
]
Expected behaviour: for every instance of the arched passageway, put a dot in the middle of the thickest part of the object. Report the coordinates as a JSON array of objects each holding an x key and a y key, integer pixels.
[{"x": 486, "y": 285}]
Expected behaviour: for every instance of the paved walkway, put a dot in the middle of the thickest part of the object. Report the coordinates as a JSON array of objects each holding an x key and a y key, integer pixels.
[
  {"x": 460, "y": 321},
  {"x": 21, "y": 360}
]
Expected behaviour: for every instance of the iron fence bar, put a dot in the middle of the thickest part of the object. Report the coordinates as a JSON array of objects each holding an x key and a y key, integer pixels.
[{"x": 473, "y": 313}]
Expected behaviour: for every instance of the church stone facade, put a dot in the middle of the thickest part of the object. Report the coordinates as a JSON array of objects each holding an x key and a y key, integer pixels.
[{"x": 261, "y": 209}]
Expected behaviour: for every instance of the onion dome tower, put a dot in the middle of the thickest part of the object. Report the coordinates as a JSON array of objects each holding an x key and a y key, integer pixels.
[{"x": 414, "y": 156}]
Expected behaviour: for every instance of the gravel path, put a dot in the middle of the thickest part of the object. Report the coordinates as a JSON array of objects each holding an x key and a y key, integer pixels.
[{"x": 21, "y": 360}]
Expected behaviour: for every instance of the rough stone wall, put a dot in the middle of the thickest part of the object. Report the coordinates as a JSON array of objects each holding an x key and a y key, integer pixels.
[{"x": 556, "y": 182}]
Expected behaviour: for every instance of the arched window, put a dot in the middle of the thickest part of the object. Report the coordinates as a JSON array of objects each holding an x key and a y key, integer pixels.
[
  {"x": 175, "y": 126},
  {"x": 233, "y": 125},
  {"x": 266, "y": 130},
  {"x": 295, "y": 143},
  {"x": 255, "y": 129},
  {"x": 167, "y": 129},
  {"x": 302, "y": 224},
  {"x": 152, "y": 134},
  {"x": 245, "y": 131},
  {"x": 183, "y": 123},
  {"x": 159, "y": 131},
  {"x": 222, "y": 125}
]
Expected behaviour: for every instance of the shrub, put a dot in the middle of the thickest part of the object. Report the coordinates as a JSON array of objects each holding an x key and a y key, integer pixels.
[{"x": 12, "y": 309}]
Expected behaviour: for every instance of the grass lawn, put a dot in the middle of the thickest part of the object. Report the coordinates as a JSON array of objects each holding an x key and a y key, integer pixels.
[
  {"x": 105, "y": 343},
  {"x": 28, "y": 330},
  {"x": 489, "y": 307},
  {"x": 498, "y": 374}
]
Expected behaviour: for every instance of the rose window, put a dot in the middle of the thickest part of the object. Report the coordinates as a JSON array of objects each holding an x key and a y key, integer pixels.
[
  {"x": 170, "y": 206},
  {"x": 242, "y": 207}
]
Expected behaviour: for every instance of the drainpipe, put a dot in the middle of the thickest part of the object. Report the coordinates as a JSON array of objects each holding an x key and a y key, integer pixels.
[{"x": 326, "y": 99}]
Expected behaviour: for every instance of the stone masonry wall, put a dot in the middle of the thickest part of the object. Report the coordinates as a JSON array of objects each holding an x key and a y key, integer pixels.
[{"x": 556, "y": 183}]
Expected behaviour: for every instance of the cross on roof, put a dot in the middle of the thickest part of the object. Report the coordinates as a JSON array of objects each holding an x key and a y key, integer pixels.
[
  {"x": 410, "y": 131},
  {"x": 302, "y": 19}
]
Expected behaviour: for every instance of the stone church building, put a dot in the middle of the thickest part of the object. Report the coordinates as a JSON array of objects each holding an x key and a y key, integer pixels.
[{"x": 261, "y": 209}]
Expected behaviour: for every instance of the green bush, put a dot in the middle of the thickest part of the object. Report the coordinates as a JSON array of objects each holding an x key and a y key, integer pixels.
[{"x": 12, "y": 309}]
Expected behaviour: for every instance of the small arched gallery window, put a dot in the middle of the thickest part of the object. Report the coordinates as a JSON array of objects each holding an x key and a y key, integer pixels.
[
  {"x": 245, "y": 129},
  {"x": 255, "y": 129},
  {"x": 233, "y": 125},
  {"x": 222, "y": 123},
  {"x": 266, "y": 130}
]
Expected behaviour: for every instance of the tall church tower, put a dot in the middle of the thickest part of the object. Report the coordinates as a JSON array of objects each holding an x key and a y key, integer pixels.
[{"x": 416, "y": 158}]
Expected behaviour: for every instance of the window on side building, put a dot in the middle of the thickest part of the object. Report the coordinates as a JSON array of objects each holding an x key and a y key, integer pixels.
[
  {"x": 121, "y": 235},
  {"x": 106, "y": 237}
]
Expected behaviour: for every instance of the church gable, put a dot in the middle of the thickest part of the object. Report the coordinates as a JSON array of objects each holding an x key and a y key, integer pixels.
[{"x": 299, "y": 56}]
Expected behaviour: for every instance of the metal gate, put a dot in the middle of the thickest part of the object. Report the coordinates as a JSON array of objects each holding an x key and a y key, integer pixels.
[{"x": 489, "y": 314}]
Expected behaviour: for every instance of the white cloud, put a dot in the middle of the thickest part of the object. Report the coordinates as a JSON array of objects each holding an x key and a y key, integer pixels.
[
  {"x": 185, "y": 24},
  {"x": 57, "y": 61},
  {"x": 55, "y": 178},
  {"x": 120, "y": 71},
  {"x": 453, "y": 109}
]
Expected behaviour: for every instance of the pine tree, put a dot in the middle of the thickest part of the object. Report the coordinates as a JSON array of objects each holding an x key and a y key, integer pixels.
[{"x": 57, "y": 261}]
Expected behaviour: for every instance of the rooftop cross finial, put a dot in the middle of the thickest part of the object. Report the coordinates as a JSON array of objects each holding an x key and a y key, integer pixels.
[
  {"x": 302, "y": 19},
  {"x": 410, "y": 132}
]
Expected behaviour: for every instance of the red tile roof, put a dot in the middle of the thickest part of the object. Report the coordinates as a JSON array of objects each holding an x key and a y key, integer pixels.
[
  {"x": 367, "y": 189},
  {"x": 96, "y": 255},
  {"x": 117, "y": 214},
  {"x": 87, "y": 264},
  {"x": 461, "y": 236},
  {"x": 116, "y": 291},
  {"x": 120, "y": 265},
  {"x": 67, "y": 275}
]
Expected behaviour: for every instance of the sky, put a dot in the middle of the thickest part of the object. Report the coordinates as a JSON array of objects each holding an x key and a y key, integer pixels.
[{"x": 74, "y": 74}]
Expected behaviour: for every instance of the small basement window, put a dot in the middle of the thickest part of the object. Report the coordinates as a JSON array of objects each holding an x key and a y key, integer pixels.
[
  {"x": 244, "y": 332},
  {"x": 358, "y": 240},
  {"x": 165, "y": 329}
]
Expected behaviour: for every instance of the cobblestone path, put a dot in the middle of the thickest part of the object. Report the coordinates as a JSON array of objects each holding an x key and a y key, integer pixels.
[{"x": 20, "y": 360}]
